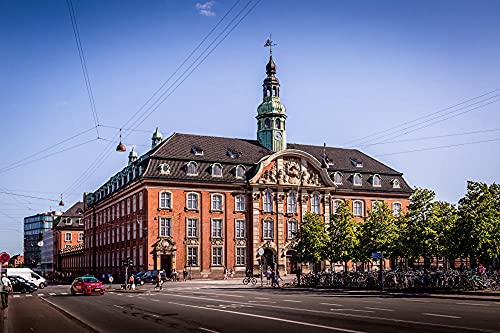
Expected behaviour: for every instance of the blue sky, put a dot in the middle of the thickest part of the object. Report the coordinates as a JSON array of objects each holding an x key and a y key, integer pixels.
[{"x": 347, "y": 69}]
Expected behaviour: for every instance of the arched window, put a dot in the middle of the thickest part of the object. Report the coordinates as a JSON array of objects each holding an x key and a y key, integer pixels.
[
  {"x": 357, "y": 208},
  {"x": 336, "y": 204},
  {"x": 165, "y": 200},
  {"x": 315, "y": 203},
  {"x": 192, "y": 201},
  {"x": 291, "y": 203},
  {"x": 396, "y": 183},
  {"x": 267, "y": 122},
  {"x": 357, "y": 179},
  {"x": 216, "y": 170},
  {"x": 192, "y": 169},
  {"x": 240, "y": 171},
  {"x": 239, "y": 203},
  {"x": 377, "y": 182},
  {"x": 277, "y": 123},
  {"x": 396, "y": 208},
  {"x": 337, "y": 178},
  {"x": 268, "y": 202},
  {"x": 217, "y": 202}
]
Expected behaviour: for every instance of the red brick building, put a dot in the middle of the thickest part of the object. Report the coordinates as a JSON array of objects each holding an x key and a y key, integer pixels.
[{"x": 214, "y": 202}]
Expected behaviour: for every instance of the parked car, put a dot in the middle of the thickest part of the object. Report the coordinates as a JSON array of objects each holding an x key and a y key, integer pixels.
[
  {"x": 22, "y": 285},
  {"x": 150, "y": 276},
  {"x": 138, "y": 277},
  {"x": 29, "y": 275},
  {"x": 87, "y": 285}
]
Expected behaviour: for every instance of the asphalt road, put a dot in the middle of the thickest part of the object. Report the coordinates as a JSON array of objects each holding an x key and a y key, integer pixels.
[{"x": 227, "y": 306}]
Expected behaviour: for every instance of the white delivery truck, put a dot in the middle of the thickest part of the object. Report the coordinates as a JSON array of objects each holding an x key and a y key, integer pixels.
[{"x": 28, "y": 274}]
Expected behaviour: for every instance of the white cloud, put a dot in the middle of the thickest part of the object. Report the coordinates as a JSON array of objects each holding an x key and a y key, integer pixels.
[{"x": 205, "y": 8}]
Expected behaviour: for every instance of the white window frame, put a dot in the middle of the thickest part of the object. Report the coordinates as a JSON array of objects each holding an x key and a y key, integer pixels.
[
  {"x": 239, "y": 203},
  {"x": 192, "y": 227},
  {"x": 165, "y": 203},
  {"x": 240, "y": 256},
  {"x": 242, "y": 168},
  {"x": 240, "y": 228},
  {"x": 140, "y": 201},
  {"x": 335, "y": 175},
  {"x": 128, "y": 206},
  {"x": 134, "y": 203},
  {"x": 192, "y": 163},
  {"x": 165, "y": 227},
  {"x": 315, "y": 203},
  {"x": 190, "y": 203},
  {"x": 334, "y": 208},
  {"x": 398, "y": 212},
  {"x": 376, "y": 204},
  {"x": 66, "y": 238},
  {"x": 192, "y": 252},
  {"x": 216, "y": 228},
  {"x": 396, "y": 183},
  {"x": 217, "y": 254},
  {"x": 268, "y": 229},
  {"x": 354, "y": 207},
  {"x": 267, "y": 202},
  {"x": 360, "y": 179},
  {"x": 377, "y": 176},
  {"x": 213, "y": 202},
  {"x": 292, "y": 228},
  {"x": 291, "y": 202},
  {"x": 214, "y": 166}
]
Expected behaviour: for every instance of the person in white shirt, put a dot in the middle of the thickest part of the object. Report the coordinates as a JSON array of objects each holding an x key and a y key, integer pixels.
[{"x": 6, "y": 288}]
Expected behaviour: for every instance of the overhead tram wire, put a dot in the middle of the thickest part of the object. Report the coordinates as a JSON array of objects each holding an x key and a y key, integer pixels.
[
  {"x": 423, "y": 117},
  {"x": 182, "y": 64},
  {"x": 431, "y": 137},
  {"x": 83, "y": 63},
  {"x": 125, "y": 129},
  {"x": 202, "y": 60},
  {"x": 437, "y": 121},
  {"x": 101, "y": 158},
  {"x": 28, "y": 196},
  {"x": 125, "y": 143},
  {"x": 438, "y": 147}
]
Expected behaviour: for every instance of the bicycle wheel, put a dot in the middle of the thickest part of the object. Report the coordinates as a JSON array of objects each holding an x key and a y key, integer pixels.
[
  {"x": 254, "y": 281},
  {"x": 245, "y": 281}
]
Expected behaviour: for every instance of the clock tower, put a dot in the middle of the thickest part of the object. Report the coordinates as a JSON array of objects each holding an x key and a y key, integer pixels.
[{"x": 271, "y": 117}]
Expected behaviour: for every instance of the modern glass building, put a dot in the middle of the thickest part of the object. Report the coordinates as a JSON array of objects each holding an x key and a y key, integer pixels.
[{"x": 34, "y": 228}]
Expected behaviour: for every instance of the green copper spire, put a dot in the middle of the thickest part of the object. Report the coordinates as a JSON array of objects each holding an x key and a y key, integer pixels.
[
  {"x": 271, "y": 117},
  {"x": 156, "y": 139}
]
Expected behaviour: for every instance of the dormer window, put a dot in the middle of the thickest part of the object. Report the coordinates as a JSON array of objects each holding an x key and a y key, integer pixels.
[
  {"x": 197, "y": 151},
  {"x": 357, "y": 179},
  {"x": 356, "y": 163},
  {"x": 192, "y": 169},
  {"x": 240, "y": 172},
  {"x": 216, "y": 170},
  {"x": 68, "y": 221},
  {"x": 376, "y": 181},
  {"x": 164, "y": 169},
  {"x": 233, "y": 153},
  {"x": 337, "y": 178},
  {"x": 396, "y": 183}
]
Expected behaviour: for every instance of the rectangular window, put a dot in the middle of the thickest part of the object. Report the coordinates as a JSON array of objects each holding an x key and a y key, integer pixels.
[
  {"x": 292, "y": 229},
  {"x": 240, "y": 256},
  {"x": 140, "y": 228},
  {"x": 192, "y": 201},
  {"x": 134, "y": 256},
  {"x": 268, "y": 232},
  {"x": 134, "y": 204},
  {"x": 216, "y": 228},
  {"x": 67, "y": 237},
  {"x": 217, "y": 202},
  {"x": 128, "y": 231},
  {"x": 123, "y": 233},
  {"x": 123, "y": 208},
  {"x": 140, "y": 201},
  {"x": 240, "y": 203},
  {"x": 217, "y": 256},
  {"x": 134, "y": 229},
  {"x": 240, "y": 229},
  {"x": 268, "y": 202},
  {"x": 192, "y": 227},
  {"x": 192, "y": 256},
  {"x": 128, "y": 206},
  {"x": 141, "y": 256},
  {"x": 165, "y": 227},
  {"x": 165, "y": 200}
]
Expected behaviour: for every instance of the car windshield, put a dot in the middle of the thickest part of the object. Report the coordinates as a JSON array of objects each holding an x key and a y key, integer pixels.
[
  {"x": 20, "y": 278},
  {"x": 90, "y": 280}
]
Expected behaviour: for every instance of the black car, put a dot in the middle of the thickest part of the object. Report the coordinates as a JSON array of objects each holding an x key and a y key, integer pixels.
[
  {"x": 21, "y": 285},
  {"x": 150, "y": 277}
]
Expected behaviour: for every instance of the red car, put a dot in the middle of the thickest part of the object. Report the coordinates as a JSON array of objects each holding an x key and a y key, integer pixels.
[{"x": 87, "y": 285}]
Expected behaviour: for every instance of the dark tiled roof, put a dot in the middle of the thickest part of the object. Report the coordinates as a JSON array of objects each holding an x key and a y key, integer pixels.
[{"x": 72, "y": 213}]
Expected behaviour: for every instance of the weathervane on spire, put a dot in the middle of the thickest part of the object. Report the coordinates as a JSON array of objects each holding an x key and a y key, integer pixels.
[{"x": 270, "y": 44}]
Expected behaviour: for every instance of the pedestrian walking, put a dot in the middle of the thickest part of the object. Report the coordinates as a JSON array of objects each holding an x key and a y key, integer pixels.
[
  {"x": 174, "y": 275},
  {"x": 131, "y": 284},
  {"x": 185, "y": 273},
  {"x": 231, "y": 272},
  {"x": 6, "y": 289},
  {"x": 225, "y": 273}
]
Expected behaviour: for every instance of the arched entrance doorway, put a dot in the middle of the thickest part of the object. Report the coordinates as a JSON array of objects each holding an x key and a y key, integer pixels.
[
  {"x": 268, "y": 259},
  {"x": 291, "y": 261}
]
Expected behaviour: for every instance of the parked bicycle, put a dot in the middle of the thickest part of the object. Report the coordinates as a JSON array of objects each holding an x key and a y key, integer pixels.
[{"x": 250, "y": 279}]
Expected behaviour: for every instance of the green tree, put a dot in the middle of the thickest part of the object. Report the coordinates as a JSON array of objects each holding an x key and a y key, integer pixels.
[
  {"x": 311, "y": 239},
  {"x": 445, "y": 217},
  {"x": 378, "y": 233},
  {"x": 478, "y": 227},
  {"x": 342, "y": 235}
]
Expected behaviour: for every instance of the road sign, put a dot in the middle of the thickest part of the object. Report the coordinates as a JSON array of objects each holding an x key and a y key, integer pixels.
[
  {"x": 110, "y": 279},
  {"x": 4, "y": 257},
  {"x": 377, "y": 255},
  {"x": 40, "y": 243},
  {"x": 260, "y": 251}
]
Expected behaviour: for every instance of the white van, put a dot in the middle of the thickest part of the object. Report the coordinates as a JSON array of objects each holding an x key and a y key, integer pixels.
[{"x": 29, "y": 275}]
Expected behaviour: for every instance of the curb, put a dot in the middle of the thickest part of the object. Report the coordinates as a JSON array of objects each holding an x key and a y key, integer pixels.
[{"x": 70, "y": 315}]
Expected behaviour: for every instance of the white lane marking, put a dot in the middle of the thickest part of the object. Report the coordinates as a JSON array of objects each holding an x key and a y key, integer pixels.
[
  {"x": 52, "y": 294},
  {"x": 377, "y": 309},
  {"x": 130, "y": 296},
  {"x": 473, "y": 304},
  {"x": 331, "y": 304},
  {"x": 352, "y": 310},
  {"x": 121, "y": 307},
  {"x": 64, "y": 293},
  {"x": 368, "y": 301},
  {"x": 262, "y": 302},
  {"x": 440, "y": 315},
  {"x": 40, "y": 294},
  {"x": 155, "y": 300},
  {"x": 118, "y": 294},
  {"x": 270, "y": 318},
  {"x": 17, "y": 296},
  {"x": 352, "y": 315},
  {"x": 419, "y": 300},
  {"x": 229, "y": 295},
  {"x": 29, "y": 295},
  {"x": 261, "y": 297},
  {"x": 140, "y": 297},
  {"x": 207, "y": 330},
  {"x": 153, "y": 315},
  {"x": 291, "y": 300}
]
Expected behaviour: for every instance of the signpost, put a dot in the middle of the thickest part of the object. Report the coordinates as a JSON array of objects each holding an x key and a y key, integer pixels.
[
  {"x": 260, "y": 252},
  {"x": 4, "y": 257},
  {"x": 380, "y": 255},
  {"x": 127, "y": 263}
]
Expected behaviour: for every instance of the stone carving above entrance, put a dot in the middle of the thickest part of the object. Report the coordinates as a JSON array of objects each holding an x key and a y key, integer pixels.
[
  {"x": 164, "y": 246},
  {"x": 292, "y": 172},
  {"x": 192, "y": 241}
]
